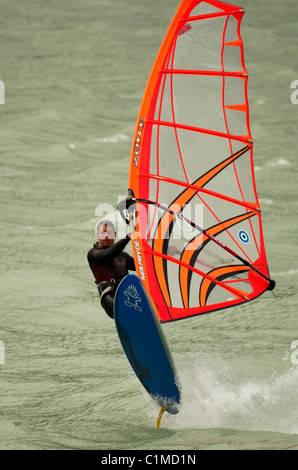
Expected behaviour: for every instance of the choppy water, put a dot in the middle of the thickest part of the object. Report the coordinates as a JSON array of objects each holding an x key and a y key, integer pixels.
[{"x": 74, "y": 75}]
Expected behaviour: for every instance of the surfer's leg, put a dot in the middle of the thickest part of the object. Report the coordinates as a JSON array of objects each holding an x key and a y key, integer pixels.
[
  {"x": 107, "y": 303},
  {"x": 106, "y": 292}
]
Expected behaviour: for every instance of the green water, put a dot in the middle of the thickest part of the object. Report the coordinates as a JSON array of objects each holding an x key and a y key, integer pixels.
[{"x": 74, "y": 75}]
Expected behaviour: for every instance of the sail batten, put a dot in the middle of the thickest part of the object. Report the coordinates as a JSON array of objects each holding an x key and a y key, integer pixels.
[
  {"x": 198, "y": 243},
  {"x": 247, "y": 204},
  {"x": 240, "y": 138},
  {"x": 219, "y": 73},
  {"x": 212, "y": 15}
]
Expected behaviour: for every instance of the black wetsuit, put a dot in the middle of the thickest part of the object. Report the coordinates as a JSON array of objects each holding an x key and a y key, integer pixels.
[{"x": 109, "y": 267}]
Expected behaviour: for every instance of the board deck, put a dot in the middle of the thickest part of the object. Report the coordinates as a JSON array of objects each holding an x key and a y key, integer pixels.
[{"x": 144, "y": 343}]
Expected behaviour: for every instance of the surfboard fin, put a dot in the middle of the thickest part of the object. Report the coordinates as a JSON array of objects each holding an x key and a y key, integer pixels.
[{"x": 162, "y": 410}]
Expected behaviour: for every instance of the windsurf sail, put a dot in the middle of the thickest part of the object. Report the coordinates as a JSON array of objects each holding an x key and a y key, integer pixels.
[{"x": 198, "y": 243}]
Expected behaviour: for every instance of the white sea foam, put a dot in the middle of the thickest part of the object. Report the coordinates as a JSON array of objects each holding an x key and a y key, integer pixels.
[
  {"x": 112, "y": 139},
  {"x": 281, "y": 162},
  {"x": 290, "y": 272},
  {"x": 266, "y": 201},
  {"x": 215, "y": 397}
]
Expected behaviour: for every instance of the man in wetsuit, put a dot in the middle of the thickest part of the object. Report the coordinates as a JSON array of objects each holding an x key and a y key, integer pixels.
[{"x": 109, "y": 263}]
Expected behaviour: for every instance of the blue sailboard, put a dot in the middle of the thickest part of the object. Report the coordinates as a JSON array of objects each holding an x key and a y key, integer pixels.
[{"x": 145, "y": 344}]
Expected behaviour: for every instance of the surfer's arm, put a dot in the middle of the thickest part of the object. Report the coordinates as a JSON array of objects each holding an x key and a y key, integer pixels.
[{"x": 99, "y": 256}]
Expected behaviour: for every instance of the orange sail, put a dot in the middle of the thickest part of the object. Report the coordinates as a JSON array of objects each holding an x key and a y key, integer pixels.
[{"x": 198, "y": 244}]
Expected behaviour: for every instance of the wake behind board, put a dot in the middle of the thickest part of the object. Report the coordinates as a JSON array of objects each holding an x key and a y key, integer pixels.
[{"x": 144, "y": 343}]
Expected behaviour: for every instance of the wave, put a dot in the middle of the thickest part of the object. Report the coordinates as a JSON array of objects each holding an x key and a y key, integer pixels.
[
  {"x": 215, "y": 397},
  {"x": 281, "y": 162},
  {"x": 112, "y": 139}
]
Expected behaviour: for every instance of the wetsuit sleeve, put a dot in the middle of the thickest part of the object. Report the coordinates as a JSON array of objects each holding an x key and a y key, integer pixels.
[{"x": 106, "y": 254}]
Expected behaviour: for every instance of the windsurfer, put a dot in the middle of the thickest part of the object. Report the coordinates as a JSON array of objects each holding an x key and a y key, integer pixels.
[{"x": 109, "y": 263}]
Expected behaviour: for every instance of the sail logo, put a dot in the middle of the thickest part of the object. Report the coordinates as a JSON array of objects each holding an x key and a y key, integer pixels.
[
  {"x": 243, "y": 236},
  {"x": 223, "y": 261},
  {"x": 137, "y": 147},
  {"x": 132, "y": 298},
  {"x": 139, "y": 258}
]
